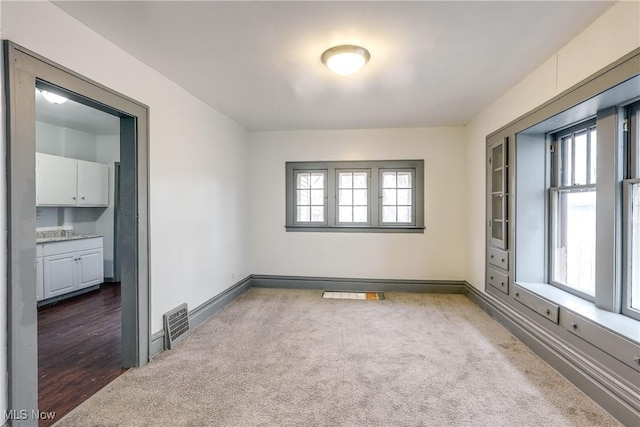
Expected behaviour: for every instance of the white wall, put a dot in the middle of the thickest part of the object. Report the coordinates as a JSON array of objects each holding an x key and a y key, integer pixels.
[
  {"x": 611, "y": 36},
  {"x": 437, "y": 254},
  {"x": 3, "y": 247},
  {"x": 198, "y": 184}
]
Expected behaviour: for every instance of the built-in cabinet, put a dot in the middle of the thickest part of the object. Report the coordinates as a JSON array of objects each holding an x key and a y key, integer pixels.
[
  {"x": 498, "y": 214},
  {"x": 69, "y": 266},
  {"x": 62, "y": 181}
]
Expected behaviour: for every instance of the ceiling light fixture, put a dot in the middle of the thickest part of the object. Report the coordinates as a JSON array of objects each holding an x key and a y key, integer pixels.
[
  {"x": 53, "y": 98},
  {"x": 345, "y": 59}
]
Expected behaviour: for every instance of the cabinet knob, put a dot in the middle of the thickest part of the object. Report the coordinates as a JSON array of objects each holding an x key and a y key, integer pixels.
[
  {"x": 502, "y": 260},
  {"x": 491, "y": 277},
  {"x": 502, "y": 283},
  {"x": 74, "y": 197},
  {"x": 574, "y": 326},
  {"x": 547, "y": 311},
  {"x": 82, "y": 197},
  {"x": 517, "y": 294},
  {"x": 491, "y": 256},
  {"x": 636, "y": 359}
]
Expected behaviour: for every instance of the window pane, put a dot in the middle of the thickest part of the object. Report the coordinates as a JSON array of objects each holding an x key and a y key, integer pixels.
[
  {"x": 344, "y": 197},
  {"x": 304, "y": 197},
  {"x": 360, "y": 214},
  {"x": 317, "y": 214},
  {"x": 345, "y": 213},
  {"x": 575, "y": 240},
  {"x": 404, "y": 197},
  {"x": 594, "y": 151},
  {"x": 565, "y": 161},
  {"x": 317, "y": 197},
  {"x": 404, "y": 179},
  {"x": 303, "y": 214},
  {"x": 388, "y": 214},
  {"x": 345, "y": 180},
  {"x": 635, "y": 247},
  {"x": 388, "y": 197},
  {"x": 304, "y": 180},
  {"x": 360, "y": 180},
  {"x": 388, "y": 180},
  {"x": 360, "y": 197},
  {"x": 580, "y": 158},
  {"x": 404, "y": 213},
  {"x": 317, "y": 180}
]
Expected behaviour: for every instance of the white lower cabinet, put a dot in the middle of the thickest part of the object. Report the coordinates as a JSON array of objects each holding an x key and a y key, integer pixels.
[
  {"x": 39, "y": 279},
  {"x": 71, "y": 265}
]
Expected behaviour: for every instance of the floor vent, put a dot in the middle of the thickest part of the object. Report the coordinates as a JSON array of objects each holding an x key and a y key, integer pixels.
[
  {"x": 353, "y": 295},
  {"x": 176, "y": 326}
]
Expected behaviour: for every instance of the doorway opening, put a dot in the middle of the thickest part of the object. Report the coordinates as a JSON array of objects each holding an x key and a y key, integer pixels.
[
  {"x": 78, "y": 288},
  {"x": 26, "y": 72}
]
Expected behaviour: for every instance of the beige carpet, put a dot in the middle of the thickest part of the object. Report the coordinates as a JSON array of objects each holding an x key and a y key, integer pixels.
[{"x": 290, "y": 358}]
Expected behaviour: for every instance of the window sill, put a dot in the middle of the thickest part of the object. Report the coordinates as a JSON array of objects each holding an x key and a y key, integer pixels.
[
  {"x": 328, "y": 229},
  {"x": 617, "y": 323}
]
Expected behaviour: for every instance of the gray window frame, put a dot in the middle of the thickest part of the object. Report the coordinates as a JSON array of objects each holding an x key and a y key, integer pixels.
[
  {"x": 557, "y": 188},
  {"x": 374, "y": 196},
  {"x": 367, "y": 223},
  {"x": 632, "y": 176}
]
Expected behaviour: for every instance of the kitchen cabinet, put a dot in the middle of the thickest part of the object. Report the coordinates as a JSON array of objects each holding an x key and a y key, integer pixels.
[
  {"x": 61, "y": 181},
  {"x": 72, "y": 265}
]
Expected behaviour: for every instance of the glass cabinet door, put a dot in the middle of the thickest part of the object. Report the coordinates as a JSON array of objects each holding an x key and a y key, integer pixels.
[{"x": 497, "y": 169}]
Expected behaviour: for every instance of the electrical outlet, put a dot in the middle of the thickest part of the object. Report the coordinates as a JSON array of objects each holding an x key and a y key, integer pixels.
[{"x": 233, "y": 277}]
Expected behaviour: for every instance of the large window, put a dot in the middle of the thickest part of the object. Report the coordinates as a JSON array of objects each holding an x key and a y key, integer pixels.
[
  {"x": 573, "y": 209},
  {"x": 384, "y": 196},
  {"x": 631, "y": 212}
]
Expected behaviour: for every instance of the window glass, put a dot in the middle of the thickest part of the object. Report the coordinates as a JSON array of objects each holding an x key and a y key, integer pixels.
[
  {"x": 575, "y": 240},
  {"x": 353, "y": 197},
  {"x": 634, "y": 272},
  {"x": 310, "y": 190},
  {"x": 397, "y": 197}
]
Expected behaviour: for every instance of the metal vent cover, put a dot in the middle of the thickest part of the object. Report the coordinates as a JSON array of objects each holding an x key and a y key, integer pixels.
[{"x": 176, "y": 326}]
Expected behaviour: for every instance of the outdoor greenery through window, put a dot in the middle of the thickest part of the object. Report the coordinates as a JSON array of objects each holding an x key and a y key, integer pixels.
[
  {"x": 379, "y": 196},
  {"x": 573, "y": 214}
]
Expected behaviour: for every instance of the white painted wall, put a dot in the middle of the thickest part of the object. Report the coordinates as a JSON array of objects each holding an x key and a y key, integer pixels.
[
  {"x": 198, "y": 176},
  {"x": 437, "y": 254},
  {"x": 611, "y": 36}
]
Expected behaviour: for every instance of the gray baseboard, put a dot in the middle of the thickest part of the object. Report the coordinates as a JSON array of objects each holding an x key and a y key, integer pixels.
[
  {"x": 597, "y": 383},
  {"x": 204, "y": 311},
  {"x": 359, "y": 285}
]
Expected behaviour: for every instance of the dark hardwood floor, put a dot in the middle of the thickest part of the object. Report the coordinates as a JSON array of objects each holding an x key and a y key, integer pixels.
[{"x": 79, "y": 349}]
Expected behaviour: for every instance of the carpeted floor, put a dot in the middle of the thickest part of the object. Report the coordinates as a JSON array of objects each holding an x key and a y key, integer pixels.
[{"x": 288, "y": 358}]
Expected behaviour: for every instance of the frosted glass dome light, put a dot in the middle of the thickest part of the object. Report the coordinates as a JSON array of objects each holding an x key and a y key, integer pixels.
[
  {"x": 53, "y": 98},
  {"x": 345, "y": 59}
]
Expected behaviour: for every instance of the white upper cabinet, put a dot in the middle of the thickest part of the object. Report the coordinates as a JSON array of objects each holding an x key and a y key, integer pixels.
[
  {"x": 61, "y": 181},
  {"x": 93, "y": 184},
  {"x": 56, "y": 179}
]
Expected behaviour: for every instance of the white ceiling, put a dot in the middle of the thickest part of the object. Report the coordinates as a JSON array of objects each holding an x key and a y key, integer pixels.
[
  {"x": 76, "y": 116},
  {"x": 432, "y": 63}
]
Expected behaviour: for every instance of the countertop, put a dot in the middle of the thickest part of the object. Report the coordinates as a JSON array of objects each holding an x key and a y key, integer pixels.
[{"x": 67, "y": 238}]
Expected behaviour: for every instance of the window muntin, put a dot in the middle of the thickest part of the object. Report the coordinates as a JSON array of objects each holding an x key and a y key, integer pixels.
[
  {"x": 573, "y": 209},
  {"x": 397, "y": 195},
  {"x": 353, "y": 196},
  {"x": 310, "y": 203}
]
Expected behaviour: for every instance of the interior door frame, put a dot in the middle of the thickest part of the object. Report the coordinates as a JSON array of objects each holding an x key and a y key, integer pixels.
[{"x": 23, "y": 69}]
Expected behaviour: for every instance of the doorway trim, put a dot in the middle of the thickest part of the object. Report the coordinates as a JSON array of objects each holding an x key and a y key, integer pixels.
[{"x": 23, "y": 69}]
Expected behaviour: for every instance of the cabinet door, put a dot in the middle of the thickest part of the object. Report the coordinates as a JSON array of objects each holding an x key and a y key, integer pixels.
[
  {"x": 90, "y": 268},
  {"x": 59, "y": 274},
  {"x": 39, "y": 279},
  {"x": 498, "y": 195},
  {"x": 55, "y": 180},
  {"x": 93, "y": 184}
]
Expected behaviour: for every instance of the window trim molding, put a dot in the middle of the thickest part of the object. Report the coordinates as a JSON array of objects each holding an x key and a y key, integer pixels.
[{"x": 374, "y": 166}]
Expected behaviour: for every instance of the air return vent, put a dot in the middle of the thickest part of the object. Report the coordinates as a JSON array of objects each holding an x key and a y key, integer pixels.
[{"x": 176, "y": 326}]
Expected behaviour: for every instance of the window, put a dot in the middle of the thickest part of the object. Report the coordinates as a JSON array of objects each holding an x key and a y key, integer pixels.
[
  {"x": 631, "y": 213},
  {"x": 573, "y": 209},
  {"x": 379, "y": 196}
]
